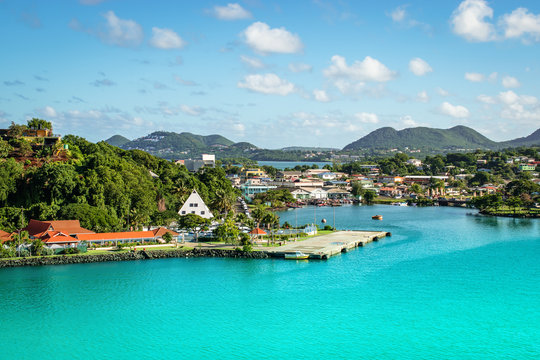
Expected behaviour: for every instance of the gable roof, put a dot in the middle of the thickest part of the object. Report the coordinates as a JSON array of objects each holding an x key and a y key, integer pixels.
[
  {"x": 160, "y": 231},
  {"x": 195, "y": 198},
  {"x": 257, "y": 231},
  {"x": 4, "y": 236},
  {"x": 52, "y": 237},
  {"x": 38, "y": 228}
]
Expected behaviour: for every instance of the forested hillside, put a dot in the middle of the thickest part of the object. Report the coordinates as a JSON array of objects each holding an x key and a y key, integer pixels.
[{"x": 107, "y": 188}]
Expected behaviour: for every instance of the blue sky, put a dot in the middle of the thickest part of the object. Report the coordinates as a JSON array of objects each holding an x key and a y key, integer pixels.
[{"x": 274, "y": 73}]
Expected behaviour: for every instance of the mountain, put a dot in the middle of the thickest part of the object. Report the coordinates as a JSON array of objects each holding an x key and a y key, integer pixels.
[
  {"x": 162, "y": 140},
  {"x": 531, "y": 140},
  {"x": 307, "y": 148},
  {"x": 171, "y": 145},
  {"x": 458, "y": 137},
  {"x": 117, "y": 140}
]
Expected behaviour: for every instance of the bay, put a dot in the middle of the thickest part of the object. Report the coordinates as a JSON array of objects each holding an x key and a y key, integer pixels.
[
  {"x": 447, "y": 284},
  {"x": 281, "y": 165}
]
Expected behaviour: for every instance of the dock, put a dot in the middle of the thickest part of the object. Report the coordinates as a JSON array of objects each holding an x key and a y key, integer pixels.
[{"x": 325, "y": 246}]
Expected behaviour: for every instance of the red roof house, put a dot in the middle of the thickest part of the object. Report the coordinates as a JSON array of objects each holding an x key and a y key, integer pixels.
[{"x": 38, "y": 229}]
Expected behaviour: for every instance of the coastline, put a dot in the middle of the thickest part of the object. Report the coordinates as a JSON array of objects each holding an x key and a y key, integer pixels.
[{"x": 128, "y": 256}]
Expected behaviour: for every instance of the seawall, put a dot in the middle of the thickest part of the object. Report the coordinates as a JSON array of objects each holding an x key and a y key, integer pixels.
[{"x": 126, "y": 256}]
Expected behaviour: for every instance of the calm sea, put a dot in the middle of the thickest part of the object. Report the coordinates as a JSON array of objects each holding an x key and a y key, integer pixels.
[
  {"x": 446, "y": 285},
  {"x": 280, "y": 165}
]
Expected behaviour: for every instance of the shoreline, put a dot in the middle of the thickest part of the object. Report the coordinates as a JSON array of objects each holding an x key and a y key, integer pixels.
[{"x": 129, "y": 256}]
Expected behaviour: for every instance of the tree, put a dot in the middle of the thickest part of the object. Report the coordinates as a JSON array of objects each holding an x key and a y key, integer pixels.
[
  {"x": 15, "y": 130},
  {"x": 227, "y": 231},
  {"x": 357, "y": 189},
  {"x": 36, "y": 123},
  {"x": 37, "y": 247},
  {"x": 194, "y": 223},
  {"x": 167, "y": 237},
  {"x": 416, "y": 188},
  {"x": 486, "y": 202},
  {"x": 5, "y": 148},
  {"x": 514, "y": 202},
  {"x": 369, "y": 196}
]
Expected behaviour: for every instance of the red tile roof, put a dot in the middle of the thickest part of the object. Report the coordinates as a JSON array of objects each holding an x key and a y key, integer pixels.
[
  {"x": 38, "y": 228},
  {"x": 4, "y": 236},
  {"x": 127, "y": 235},
  {"x": 257, "y": 231},
  {"x": 159, "y": 232},
  {"x": 52, "y": 237}
]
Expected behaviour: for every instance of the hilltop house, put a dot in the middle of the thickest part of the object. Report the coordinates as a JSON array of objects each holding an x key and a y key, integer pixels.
[{"x": 195, "y": 205}]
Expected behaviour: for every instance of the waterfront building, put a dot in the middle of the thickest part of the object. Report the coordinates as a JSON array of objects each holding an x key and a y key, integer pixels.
[
  {"x": 39, "y": 229},
  {"x": 253, "y": 187},
  {"x": 300, "y": 194},
  {"x": 337, "y": 193},
  {"x": 195, "y": 205}
]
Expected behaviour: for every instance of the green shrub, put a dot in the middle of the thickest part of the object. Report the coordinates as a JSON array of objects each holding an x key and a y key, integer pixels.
[
  {"x": 247, "y": 248},
  {"x": 68, "y": 251}
]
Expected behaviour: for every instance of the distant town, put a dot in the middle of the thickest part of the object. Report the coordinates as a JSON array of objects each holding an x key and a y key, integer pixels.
[{"x": 61, "y": 194}]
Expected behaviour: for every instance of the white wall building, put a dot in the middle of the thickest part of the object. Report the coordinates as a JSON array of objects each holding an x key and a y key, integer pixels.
[{"x": 195, "y": 205}]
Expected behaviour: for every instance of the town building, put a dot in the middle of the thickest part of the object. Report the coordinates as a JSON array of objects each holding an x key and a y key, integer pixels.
[
  {"x": 253, "y": 187},
  {"x": 195, "y": 205}
]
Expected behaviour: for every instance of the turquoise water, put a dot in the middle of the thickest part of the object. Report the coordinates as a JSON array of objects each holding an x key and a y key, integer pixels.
[
  {"x": 280, "y": 165},
  {"x": 446, "y": 285}
]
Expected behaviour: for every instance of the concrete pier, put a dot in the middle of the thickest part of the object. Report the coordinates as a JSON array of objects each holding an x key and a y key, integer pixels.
[{"x": 325, "y": 246}]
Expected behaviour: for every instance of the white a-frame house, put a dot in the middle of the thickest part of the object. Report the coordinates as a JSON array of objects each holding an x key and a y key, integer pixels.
[{"x": 195, "y": 205}]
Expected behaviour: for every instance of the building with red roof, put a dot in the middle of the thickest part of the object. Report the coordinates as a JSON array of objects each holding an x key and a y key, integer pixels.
[{"x": 38, "y": 229}]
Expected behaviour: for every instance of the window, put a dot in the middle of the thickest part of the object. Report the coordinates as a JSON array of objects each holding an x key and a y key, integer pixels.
[
  {"x": 202, "y": 212},
  {"x": 193, "y": 212},
  {"x": 183, "y": 212},
  {"x": 195, "y": 205}
]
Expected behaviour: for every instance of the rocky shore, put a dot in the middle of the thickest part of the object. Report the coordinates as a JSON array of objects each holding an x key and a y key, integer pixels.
[{"x": 138, "y": 255}]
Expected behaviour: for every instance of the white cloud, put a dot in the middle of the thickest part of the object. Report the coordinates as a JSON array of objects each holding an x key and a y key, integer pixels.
[
  {"x": 486, "y": 99},
  {"x": 261, "y": 38},
  {"x": 510, "y": 82},
  {"x": 519, "y": 23},
  {"x": 321, "y": 95},
  {"x": 408, "y": 121},
  {"x": 419, "y": 67},
  {"x": 456, "y": 111},
  {"x": 121, "y": 32},
  {"x": 422, "y": 96},
  {"x": 241, "y": 128},
  {"x": 191, "y": 110},
  {"x": 166, "y": 39},
  {"x": 267, "y": 84},
  {"x": 442, "y": 92},
  {"x": 398, "y": 14},
  {"x": 524, "y": 108},
  {"x": 48, "y": 112},
  {"x": 468, "y": 21},
  {"x": 252, "y": 62},
  {"x": 369, "y": 69},
  {"x": 231, "y": 12},
  {"x": 300, "y": 67},
  {"x": 475, "y": 77},
  {"x": 368, "y": 118}
]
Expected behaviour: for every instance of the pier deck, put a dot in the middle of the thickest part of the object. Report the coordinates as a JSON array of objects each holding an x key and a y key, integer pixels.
[{"x": 325, "y": 246}]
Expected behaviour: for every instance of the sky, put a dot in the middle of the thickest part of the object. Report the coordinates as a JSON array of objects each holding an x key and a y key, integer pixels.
[{"x": 273, "y": 73}]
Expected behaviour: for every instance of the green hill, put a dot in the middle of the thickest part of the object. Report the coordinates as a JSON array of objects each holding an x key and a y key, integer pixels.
[
  {"x": 117, "y": 140},
  {"x": 458, "y": 137},
  {"x": 531, "y": 140}
]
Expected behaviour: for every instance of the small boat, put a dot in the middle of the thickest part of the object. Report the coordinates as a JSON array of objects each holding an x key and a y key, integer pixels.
[
  {"x": 376, "y": 217},
  {"x": 400, "y": 204},
  {"x": 297, "y": 255}
]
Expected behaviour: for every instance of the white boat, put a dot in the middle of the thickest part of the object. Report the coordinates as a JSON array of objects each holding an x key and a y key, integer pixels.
[
  {"x": 297, "y": 255},
  {"x": 400, "y": 204}
]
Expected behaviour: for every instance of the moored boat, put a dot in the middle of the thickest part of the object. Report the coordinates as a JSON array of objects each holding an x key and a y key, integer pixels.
[
  {"x": 297, "y": 255},
  {"x": 376, "y": 217}
]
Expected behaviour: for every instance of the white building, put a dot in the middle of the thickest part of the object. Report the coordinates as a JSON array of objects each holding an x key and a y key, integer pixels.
[{"x": 195, "y": 205}]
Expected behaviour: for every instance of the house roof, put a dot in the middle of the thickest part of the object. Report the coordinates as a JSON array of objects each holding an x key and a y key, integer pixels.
[
  {"x": 54, "y": 237},
  {"x": 160, "y": 231},
  {"x": 38, "y": 228},
  {"x": 116, "y": 236},
  {"x": 257, "y": 231},
  {"x": 4, "y": 236}
]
